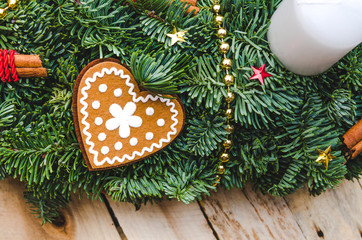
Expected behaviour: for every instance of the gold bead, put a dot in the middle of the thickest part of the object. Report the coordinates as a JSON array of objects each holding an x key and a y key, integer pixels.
[
  {"x": 230, "y": 97},
  {"x": 216, "y": 8},
  {"x": 221, "y": 33},
  {"x": 229, "y": 128},
  {"x": 2, "y": 12},
  {"x": 229, "y": 79},
  {"x": 221, "y": 169},
  {"x": 13, "y": 4},
  {"x": 225, "y": 157},
  {"x": 227, "y": 63},
  {"x": 224, "y": 47},
  {"x": 228, "y": 144},
  {"x": 219, "y": 19},
  {"x": 218, "y": 179},
  {"x": 229, "y": 113}
]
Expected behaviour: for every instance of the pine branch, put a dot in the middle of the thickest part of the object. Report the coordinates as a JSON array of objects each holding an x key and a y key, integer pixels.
[
  {"x": 46, "y": 208},
  {"x": 205, "y": 134},
  {"x": 7, "y": 111},
  {"x": 160, "y": 73}
]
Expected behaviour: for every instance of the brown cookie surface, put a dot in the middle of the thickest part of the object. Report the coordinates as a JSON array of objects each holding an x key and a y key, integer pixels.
[{"x": 117, "y": 124}]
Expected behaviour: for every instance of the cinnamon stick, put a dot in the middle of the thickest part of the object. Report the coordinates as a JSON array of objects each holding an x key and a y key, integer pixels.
[
  {"x": 27, "y": 61},
  {"x": 32, "y": 72},
  {"x": 192, "y": 2},
  {"x": 356, "y": 150},
  {"x": 193, "y": 6},
  {"x": 353, "y": 136}
]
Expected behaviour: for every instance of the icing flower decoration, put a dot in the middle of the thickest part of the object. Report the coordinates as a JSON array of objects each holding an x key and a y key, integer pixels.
[{"x": 123, "y": 119}]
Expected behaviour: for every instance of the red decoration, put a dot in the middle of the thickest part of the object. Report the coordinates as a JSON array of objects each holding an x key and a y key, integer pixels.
[
  {"x": 14, "y": 65},
  {"x": 14, "y": 73},
  {"x": 260, "y": 74},
  {"x": 6, "y": 58}
]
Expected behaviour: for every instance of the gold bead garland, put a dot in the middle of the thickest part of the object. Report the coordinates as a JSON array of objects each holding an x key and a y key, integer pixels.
[
  {"x": 12, "y": 5},
  {"x": 228, "y": 79}
]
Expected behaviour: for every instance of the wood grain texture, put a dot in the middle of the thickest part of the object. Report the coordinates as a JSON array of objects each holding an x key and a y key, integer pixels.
[
  {"x": 83, "y": 219},
  {"x": 90, "y": 220},
  {"x": 166, "y": 220},
  {"x": 235, "y": 214},
  {"x": 336, "y": 214},
  {"x": 245, "y": 214}
]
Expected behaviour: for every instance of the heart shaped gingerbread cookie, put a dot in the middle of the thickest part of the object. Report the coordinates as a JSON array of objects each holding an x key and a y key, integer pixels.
[{"x": 116, "y": 123}]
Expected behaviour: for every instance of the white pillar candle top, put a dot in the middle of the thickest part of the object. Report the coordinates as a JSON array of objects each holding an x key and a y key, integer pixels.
[
  {"x": 329, "y": 21},
  {"x": 309, "y": 36}
]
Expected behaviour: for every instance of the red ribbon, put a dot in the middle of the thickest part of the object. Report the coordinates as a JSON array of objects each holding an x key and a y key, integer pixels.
[{"x": 4, "y": 66}]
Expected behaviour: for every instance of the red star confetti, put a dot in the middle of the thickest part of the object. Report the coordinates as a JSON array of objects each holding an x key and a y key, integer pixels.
[{"x": 260, "y": 74}]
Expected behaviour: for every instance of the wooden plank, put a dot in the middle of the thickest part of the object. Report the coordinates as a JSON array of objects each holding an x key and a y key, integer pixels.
[
  {"x": 90, "y": 220},
  {"x": 245, "y": 214},
  {"x": 83, "y": 219},
  {"x": 233, "y": 214},
  {"x": 166, "y": 220},
  {"x": 336, "y": 214}
]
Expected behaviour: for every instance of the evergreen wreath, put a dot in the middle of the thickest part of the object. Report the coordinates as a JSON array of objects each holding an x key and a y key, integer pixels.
[{"x": 278, "y": 126}]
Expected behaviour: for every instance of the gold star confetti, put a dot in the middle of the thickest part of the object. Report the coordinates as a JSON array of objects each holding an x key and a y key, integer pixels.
[
  {"x": 177, "y": 36},
  {"x": 325, "y": 156}
]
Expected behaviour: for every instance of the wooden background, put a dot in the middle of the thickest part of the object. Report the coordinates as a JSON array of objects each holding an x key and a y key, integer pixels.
[{"x": 236, "y": 214}]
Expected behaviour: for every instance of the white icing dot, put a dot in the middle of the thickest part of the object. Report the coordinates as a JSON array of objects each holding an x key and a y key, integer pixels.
[
  {"x": 161, "y": 122},
  {"x": 103, "y": 88},
  {"x": 118, "y": 92},
  {"x": 150, "y": 111},
  {"x": 149, "y": 136},
  {"x": 105, "y": 150},
  {"x": 98, "y": 121},
  {"x": 102, "y": 137},
  {"x": 133, "y": 141},
  {"x": 96, "y": 104},
  {"x": 118, "y": 146}
]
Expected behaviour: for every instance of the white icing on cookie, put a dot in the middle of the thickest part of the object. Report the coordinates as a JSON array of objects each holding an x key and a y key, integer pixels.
[
  {"x": 118, "y": 146},
  {"x": 102, "y": 88},
  {"x": 150, "y": 111},
  {"x": 117, "y": 92},
  {"x": 127, "y": 78},
  {"x": 133, "y": 141},
  {"x": 98, "y": 121},
  {"x": 102, "y": 137},
  {"x": 149, "y": 136},
  {"x": 123, "y": 119},
  {"x": 96, "y": 105},
  {"x": 161, "y": 122},
  {"x": 105, "y": 150}
]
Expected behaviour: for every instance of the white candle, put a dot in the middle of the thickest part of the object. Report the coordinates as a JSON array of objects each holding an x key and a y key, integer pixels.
[{"x": 309, "y": 36}]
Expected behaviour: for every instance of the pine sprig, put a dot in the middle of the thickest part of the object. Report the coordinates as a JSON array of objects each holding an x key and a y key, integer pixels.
[
  {"x": 45, "y": 208},
  {"x": 205, "y": 135},
  {"x": 7, "y": 111},
  {"x": 160, "y": 73}
]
